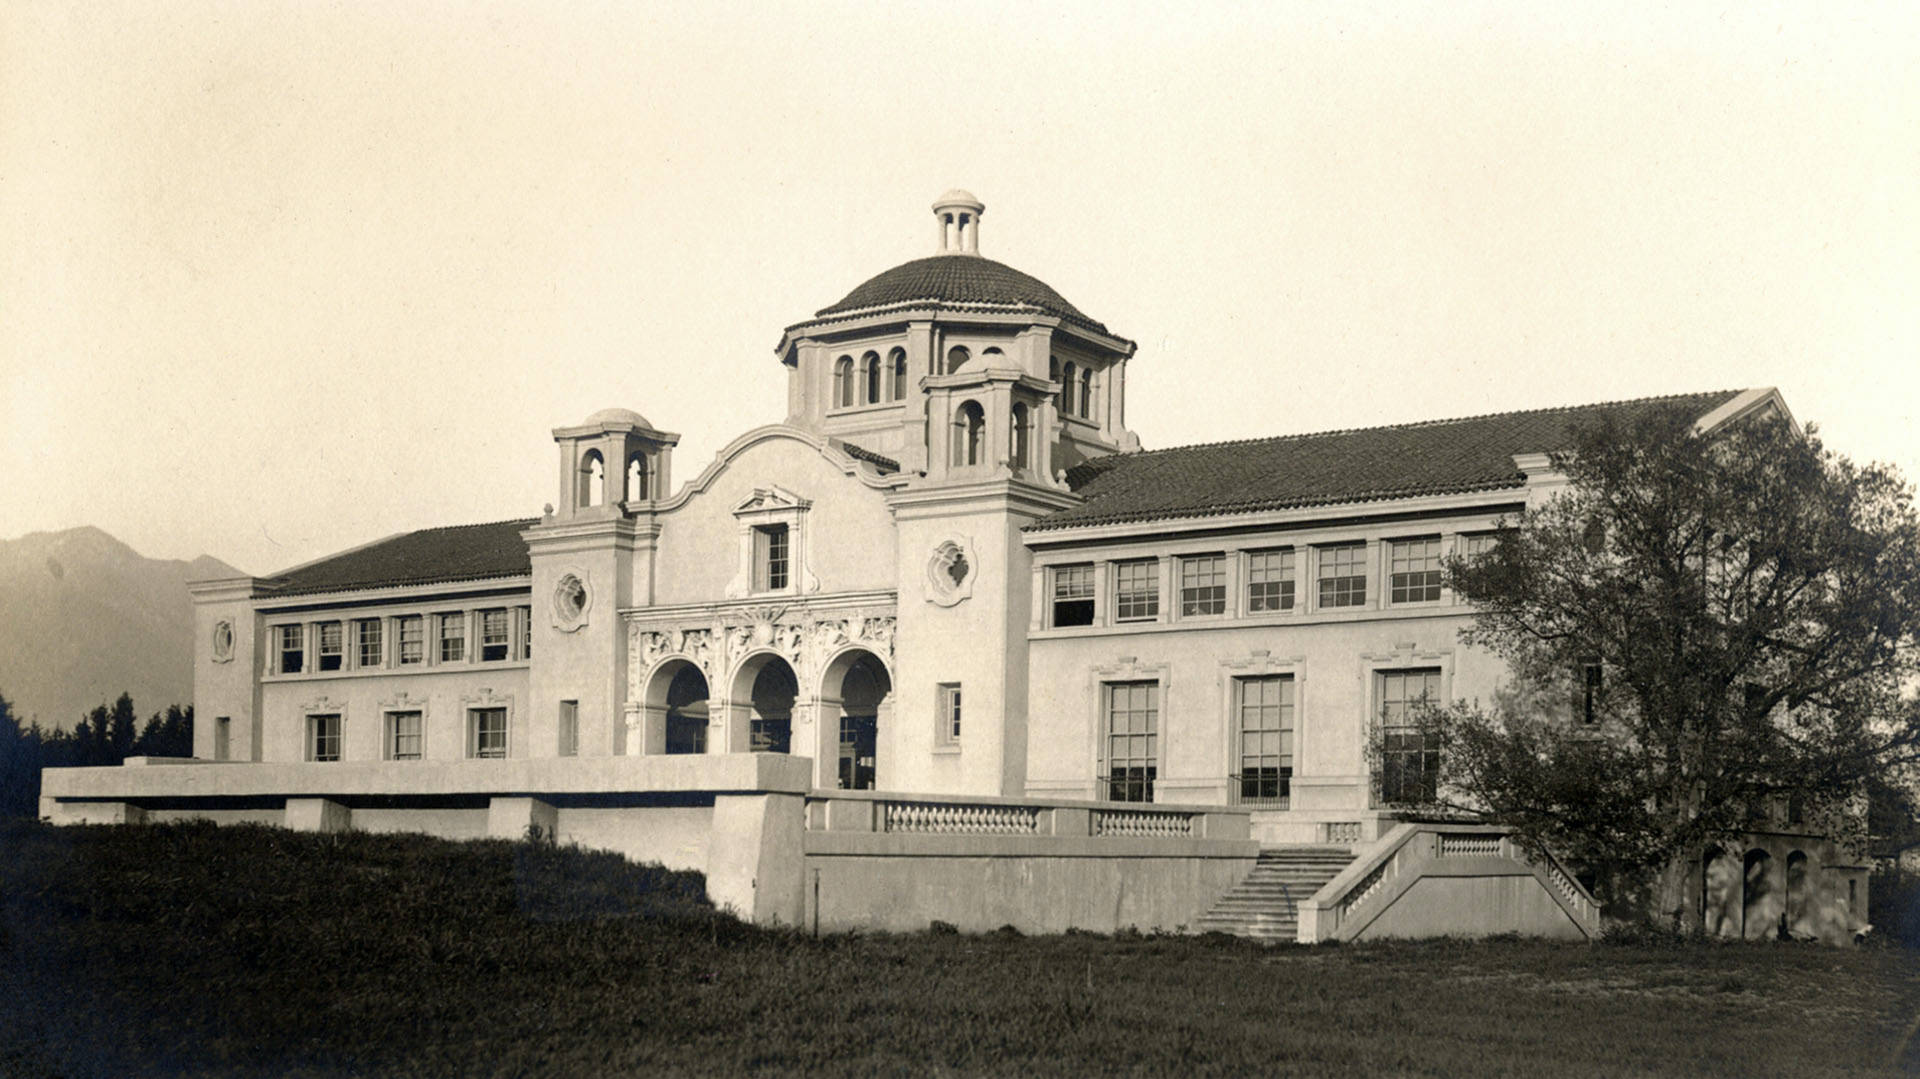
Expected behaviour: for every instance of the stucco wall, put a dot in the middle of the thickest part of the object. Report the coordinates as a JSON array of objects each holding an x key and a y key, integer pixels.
[
  {"x": 1466, "y": 906},
  {"x": 444, "y": 695}
]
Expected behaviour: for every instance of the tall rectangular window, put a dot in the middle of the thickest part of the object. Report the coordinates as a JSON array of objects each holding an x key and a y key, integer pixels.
[
  {"x": 372, "y": 647},
  {"x": 1587, "y": 701},
  {"x": 569, "y": 728},
  {"x": 323, "y": 737},
  {"x": 1476, "y": 544},
  {"x": 403, "y": 736},
  {"x": 1265, "y": 719},
  {"x": 1136, "y": 591},
  {"x": 453, "y": 637},
  {"x": 1270, "y": 580},
  {"x": 1073, "y": 595},
  {"x": 1409, "y": 758},
  {"x": 770, "y": 558},
  {"x": 292, "y": 653},
  {"x": 1131, "y": 741},
  {"x": 222, "y": 731},
  {"x": 488, "y": 734},
  {"x": 413, "y": 638},
  {"x": 1203, "y": 585},
  {"x": 1343, "y": 575},
  {"x": 1415, "y": 568},
  {"x": 495, "y": 635},
  {"x": 331, "y": 652},
  {"x": 948, "y": 710},
  {"x": 526, "y": 633}
]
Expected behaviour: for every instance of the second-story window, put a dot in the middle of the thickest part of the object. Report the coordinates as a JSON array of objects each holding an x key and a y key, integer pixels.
[
  {"x": 526, "y": 633},
  {"x": 1270, "y": 580},
  {"x": 1136, "y": 591},
  {"x": 1343, "y": 575},
  {"x": 293, "y": 654},
  {"x": 1415, "y": 566},
  {"x": 1073, "y": 595},
  {"x": 770, "y": 558},
  {"x": 495, "y": 639},
  {"x": 1203, "y": 585},
  {"x": 332, "y": 655},
  {"x": 453, "y": 638},
  {"x": 371, "y": 652},
  {"x": 412, "y": 633}
]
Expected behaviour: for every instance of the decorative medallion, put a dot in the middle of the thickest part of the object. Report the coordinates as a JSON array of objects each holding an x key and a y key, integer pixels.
[
  {"x": 571, "y": 601},
  {"x": 223, "y": 641},
  {"x": 950, "y": 571}
]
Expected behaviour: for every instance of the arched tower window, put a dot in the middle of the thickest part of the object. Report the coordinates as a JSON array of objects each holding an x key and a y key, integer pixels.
[
  {"x": 637, "y": 478},
  {"x": 1067, "y": 379},
  {"x": 1053, "y": 375},
  {"x": 1086, "y": 392},
  {"x": 870, "y": 378},
  {"x": 969, "y": 433},
  {"x": 1020, "y": 438},
  {"x": 593, "y": 479},
  {"x": 843, "y": 381},
  {"x": 957, "y": 357},
  {"x": 898, "y": 360}
]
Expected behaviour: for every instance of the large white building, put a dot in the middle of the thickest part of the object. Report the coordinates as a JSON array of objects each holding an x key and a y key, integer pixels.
[{"x": 950, "y": 570}]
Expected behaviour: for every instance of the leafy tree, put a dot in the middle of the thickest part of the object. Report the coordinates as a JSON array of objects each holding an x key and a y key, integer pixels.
[
  {"x": 167, "y": 734},
  {"x": 1701, "y": 627}
]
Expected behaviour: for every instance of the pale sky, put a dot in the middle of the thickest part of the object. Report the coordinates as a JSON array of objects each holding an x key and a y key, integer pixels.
[{"x": 279, "y": 278}]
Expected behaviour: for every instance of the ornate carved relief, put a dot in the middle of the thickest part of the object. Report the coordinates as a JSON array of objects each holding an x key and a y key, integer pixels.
[
  {"x": 951, "y": 570},
  {"x": 223, "y": 641},
  {"x": 571, "y": 602},
  {"x": 804, "y": 641}
]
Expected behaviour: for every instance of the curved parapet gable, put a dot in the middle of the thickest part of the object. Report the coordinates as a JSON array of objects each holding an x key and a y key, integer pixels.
[{"x": 859, "y": 468}]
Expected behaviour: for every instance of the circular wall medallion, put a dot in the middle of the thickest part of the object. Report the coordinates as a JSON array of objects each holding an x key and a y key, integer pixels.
[
  {"x": 950, "y": 571},
  {"x": 571, "y": 600},
  {"x": 222, "y": 641}
]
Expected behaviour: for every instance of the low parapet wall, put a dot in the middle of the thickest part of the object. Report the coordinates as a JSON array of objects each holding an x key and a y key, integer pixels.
[
  {"x": 1432, "y": 880},
  {"x": 901, "y": 862}
]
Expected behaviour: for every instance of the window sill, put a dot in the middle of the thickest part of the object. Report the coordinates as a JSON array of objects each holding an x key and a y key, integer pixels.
[
  {"x": 861, "y": 410},
  {"x": 946, "y": 751},
  {"x": 409, "y": 669}
]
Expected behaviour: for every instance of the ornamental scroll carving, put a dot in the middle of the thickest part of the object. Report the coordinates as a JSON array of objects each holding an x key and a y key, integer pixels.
[{"x": 805, "y": 642}]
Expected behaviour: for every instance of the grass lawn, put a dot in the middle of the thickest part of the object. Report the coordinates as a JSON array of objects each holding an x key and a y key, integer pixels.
[{"x": 186, "y": 949}]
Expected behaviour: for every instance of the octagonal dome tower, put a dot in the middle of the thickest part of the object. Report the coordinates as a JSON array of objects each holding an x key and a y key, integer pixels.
[{"x": 878, "y": 367}]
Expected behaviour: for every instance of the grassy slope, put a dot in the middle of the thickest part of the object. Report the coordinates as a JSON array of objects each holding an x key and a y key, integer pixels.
[{"x": 245, "y": 951}]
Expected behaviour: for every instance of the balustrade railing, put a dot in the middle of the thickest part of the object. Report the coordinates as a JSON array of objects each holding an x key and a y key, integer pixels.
[
  {"x": 1142, "y": 822},
  {"x": 1454, "y": 845},
  {"x": 951, "y": 818}
]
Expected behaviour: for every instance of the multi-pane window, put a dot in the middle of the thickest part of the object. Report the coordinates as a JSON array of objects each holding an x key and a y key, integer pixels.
[
  {"x": 1136, "y": 590},
  {"x": 1409, "y": 758},
  {"x": 569, "y": 728},
  {"x": 1131, "y": 743},
  {"x": 292, "y": 651},
  {"x": 453, "y": 637},
  {"x": 1270, "y": 580},
  {"x": 403, "y": 736},
  {"x": 323, "y": 737},
  {"x": 1203, "y": 585},
  {"x": 412, "y": 634},
  {"x": 949, "y": 711},
  {"x": 371, "y": 650},
  {"x": 1073, "y": 595},
  {"x": 1475, "y": 544},
  {"x": 770, "y": 559},
  {"x": 495, "y": 634},
  {"x": 489, "y": 737},
  {"x": 1343, "y": 575},
  {"x": 332, "y": 655},
  {"x": 1265, "y": 719},
  {"x": 1415, "y": 568},
  {"x": 526, "y": 633}
]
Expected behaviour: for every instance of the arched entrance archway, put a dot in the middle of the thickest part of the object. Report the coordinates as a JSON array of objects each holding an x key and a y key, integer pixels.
[
  {"x": 1719, "y": 885},
  {"x": 674, "y": 711},
  {"x": 761, "y": 707},
  {"x": 855, "y": 693}
]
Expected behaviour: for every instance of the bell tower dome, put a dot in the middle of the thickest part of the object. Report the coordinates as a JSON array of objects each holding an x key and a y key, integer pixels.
[{"x": 959, "y": 215}]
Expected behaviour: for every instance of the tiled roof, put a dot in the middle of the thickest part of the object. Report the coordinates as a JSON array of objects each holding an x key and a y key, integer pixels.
[
  {"x": 429, "y": 556},
  {"x": 860, "y": 453},
  {"x": 1405, "y": 461},
  {"x": 966, "y": 280}
]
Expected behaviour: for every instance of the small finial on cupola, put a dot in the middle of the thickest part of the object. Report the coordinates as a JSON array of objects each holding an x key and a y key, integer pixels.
[{"x": 959, "y": 215}]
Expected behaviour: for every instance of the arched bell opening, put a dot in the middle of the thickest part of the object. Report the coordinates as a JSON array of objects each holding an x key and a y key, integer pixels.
[{"x": 856, "y": 704}]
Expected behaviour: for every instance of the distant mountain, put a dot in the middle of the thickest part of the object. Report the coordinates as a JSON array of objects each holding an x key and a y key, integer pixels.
[{"x": 84, "y": 617}]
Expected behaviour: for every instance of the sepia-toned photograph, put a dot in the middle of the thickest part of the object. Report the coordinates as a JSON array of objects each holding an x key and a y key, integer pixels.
[{"x": 614, "y": 538}]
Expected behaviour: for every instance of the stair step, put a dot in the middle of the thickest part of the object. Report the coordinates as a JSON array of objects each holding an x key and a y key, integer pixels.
[{"x": 1265, "y": 905}]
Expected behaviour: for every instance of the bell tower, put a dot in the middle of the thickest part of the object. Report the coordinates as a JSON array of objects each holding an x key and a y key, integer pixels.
[{"x": 610, "y": 463}]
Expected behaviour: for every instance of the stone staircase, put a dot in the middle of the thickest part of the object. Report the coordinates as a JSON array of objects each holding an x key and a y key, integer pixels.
[{"x": 1266, "y": 906}]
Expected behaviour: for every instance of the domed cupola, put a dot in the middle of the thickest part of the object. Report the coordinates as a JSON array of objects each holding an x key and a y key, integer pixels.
[{"x": 959, "y": 332}]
